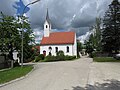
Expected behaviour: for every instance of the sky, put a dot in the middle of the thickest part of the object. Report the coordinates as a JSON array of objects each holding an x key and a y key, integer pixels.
[{"x": 65, "y": 15}]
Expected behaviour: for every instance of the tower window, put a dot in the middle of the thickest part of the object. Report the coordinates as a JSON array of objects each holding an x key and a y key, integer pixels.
[
  {"x": 46, "y": 26},
  {"x": 67, "y": 49}
]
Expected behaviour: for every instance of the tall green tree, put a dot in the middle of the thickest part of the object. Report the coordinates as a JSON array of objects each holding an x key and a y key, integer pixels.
[
  {"x": 111, "y": 28},
  {"x": 10, "y": 35},
  {"x": 95, "y": 37},
  {"x": 28, "y": 38}
]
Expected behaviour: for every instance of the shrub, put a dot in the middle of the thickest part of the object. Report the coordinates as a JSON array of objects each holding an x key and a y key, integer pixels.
[
  {"x": 70, "y": 57},
  {"x": 16, "y": 64},
  {"x": 92, "y": 54},
  {"x": 58, "y": 58},
  {"x": 60, "y": 53},
  {"x": 105, "y": 59},
  {"x": 40, "y": 57},
  {"x": 50, "y": 58}
]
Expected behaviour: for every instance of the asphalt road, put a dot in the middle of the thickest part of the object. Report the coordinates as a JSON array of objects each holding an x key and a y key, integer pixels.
[{"x": 80, "y": 74}]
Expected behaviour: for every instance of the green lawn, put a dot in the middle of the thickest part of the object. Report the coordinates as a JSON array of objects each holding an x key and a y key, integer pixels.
[
  {"x": 105, "y": 59},
  {"x": 14, "y": 73}
]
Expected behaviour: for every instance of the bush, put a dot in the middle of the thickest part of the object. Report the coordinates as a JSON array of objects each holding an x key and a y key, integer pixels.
[
  {"x": 92, "y": 55},
  {"x": 58, "y": 58},
  {"x": 16, "y": 64},
  {"x": 70, "y": 57},
  {"x": 60, "y": 53},
  {"x": 50, "y": 58},
  {"x": 40, "y": 57},
  {"x": 105, "y": 59}
]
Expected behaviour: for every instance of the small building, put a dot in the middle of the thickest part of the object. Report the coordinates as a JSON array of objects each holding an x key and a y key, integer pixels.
[{"x": 51, "y": 43}]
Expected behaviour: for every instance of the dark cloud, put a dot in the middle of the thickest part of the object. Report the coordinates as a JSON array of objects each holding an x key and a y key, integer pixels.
[
  {"x": 6, "y": 6},
  {"x": 75, "y": 15}
]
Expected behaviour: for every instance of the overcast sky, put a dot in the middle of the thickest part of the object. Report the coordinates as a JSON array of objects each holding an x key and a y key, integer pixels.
[{"x": 65, "y": 15}]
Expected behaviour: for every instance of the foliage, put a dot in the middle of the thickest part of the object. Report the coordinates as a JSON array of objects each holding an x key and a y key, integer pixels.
[
  {"x": 60, "y": 53},
  {"x": 89, "y": 47},
  {"x": 97, "y": 35},
  {"x": 94, "y": 42},
  {"x": 40, "y": 57},
  {"x": 10, "y": 35},
  {"x": 58, "y": 58},
  {"x": 67, "y": 57},
  {"x": 111, "y": 28},
  {"x": 79, "y": 48},
  {"x": 93, "y": 54},
  {"x": 50, "y": 58},
  {"x": 105, "y": 59},
  {"x": 17, "y": 72}
]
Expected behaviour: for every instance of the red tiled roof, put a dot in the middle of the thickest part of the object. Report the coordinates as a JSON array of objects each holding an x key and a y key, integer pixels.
[{"x": 59, "y": 38}]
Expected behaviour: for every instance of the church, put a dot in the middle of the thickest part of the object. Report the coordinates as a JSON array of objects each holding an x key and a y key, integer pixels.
[{"x": 54, "y": 42}]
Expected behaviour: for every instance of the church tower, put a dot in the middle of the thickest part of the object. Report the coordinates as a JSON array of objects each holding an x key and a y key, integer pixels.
[{"x": 47, "y": 25}]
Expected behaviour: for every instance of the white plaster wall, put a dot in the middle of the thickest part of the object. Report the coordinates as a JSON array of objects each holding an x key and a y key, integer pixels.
[
  {"x": 75, "y": 46},
  {"x": 60, "y": 47},
  {"x": 47, "y": 30}
]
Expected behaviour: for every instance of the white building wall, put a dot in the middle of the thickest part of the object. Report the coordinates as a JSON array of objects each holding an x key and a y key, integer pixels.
[
  {"x": 60, "y": 47},
  {"x": 75, "y": 47},
  {"x": 47, "y": 30}
]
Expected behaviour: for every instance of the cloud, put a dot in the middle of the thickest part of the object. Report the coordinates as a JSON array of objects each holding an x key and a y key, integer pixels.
[
  {"x": 67, "y": 15},
  {"x": 6, "y": 7},
  {"x": 84, "y": 37}
]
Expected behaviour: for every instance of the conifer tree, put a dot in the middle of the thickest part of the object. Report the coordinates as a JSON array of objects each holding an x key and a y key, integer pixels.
[{"x": 111, "y": 28}]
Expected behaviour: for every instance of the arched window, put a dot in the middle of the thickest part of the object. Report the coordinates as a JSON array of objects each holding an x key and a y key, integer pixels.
[
  {"x": 46, "y": 26},
  {"x": 44, "y": 53},
  {"x": 50, "y": 48},
  {"x": 56, "y": 49},
  {"x": 67, "y": 49}
]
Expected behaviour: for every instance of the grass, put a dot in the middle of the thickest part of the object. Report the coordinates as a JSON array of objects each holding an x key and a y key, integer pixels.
[
  {"x": 17, "y": 72},
  {"x": 105, "y": 59}
]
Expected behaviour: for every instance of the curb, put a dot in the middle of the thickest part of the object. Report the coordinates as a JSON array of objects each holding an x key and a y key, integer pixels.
[{"x": 18, "y": 79}]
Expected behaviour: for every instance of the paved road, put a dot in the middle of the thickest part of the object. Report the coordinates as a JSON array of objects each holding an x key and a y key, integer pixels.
[{"x": 80, "y": 74}]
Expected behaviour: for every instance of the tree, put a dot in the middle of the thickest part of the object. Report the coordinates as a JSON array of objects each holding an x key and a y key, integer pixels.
[
  {"x": 94, "y": 42},
  {"x": 9, "y": 35},
  {"x": 111, "y": 28},
  {"x": 98, "y": 34},
  {"x": 95, "y": 37},
  {"x": 10, "y": 38},
  {"x": 28, "y": 38}
]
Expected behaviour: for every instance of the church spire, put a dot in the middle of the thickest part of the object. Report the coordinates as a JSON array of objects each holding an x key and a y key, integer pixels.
[
  {"x": 47, "y": 17},
  {"x": 47, "y": 25}
]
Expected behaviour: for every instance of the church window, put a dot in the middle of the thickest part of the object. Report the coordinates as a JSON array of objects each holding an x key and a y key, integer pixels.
[
  {"x": 67, "y": 49},
  {"x": 50, "y": 48},
  {"x": 46, "y": 26},
  {"x": 44, "y": 53},
  {"x": 56, "y": 49}
]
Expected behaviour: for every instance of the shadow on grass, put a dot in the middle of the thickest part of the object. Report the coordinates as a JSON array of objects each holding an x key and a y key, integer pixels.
[{"x": 110, "y": 85}]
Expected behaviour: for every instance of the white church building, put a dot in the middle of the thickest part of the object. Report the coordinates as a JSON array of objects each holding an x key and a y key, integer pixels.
[{"x": 57, "y": 41}]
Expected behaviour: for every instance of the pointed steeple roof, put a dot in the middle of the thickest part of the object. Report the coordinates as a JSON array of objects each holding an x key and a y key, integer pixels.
[{"x": 47, "y": 17}]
